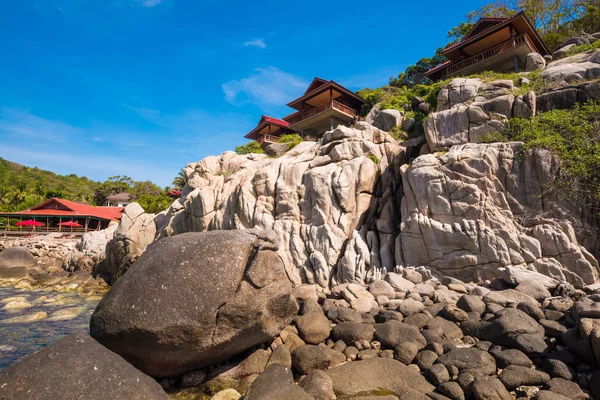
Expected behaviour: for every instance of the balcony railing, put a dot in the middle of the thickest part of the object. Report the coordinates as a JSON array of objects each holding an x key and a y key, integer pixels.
[
  {"x": 332, "y": 104},
  {"x": 267, "y": 139},
  {"x": 492, "y": 52}
]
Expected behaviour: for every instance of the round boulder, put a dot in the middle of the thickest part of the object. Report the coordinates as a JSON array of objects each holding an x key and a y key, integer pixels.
[
  {"x": 534, "y": 62},
  {"x": 196, "y": 299},
  {"x": 388, "y": 119},
  {"x": 17, "y": 256}
]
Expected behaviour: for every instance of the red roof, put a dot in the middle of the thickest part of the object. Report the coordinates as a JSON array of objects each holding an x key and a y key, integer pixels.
[
  {"x": 276, "y": 121},
  {"x": 72, "y": 209},
  {"x": 174, "y": 193}
]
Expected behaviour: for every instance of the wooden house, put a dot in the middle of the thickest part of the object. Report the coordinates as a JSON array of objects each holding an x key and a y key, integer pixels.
[
  {"x": 493, "y": 44},
  {"x": 323, "y": 106},
  {"x": 269, "y": 130}
]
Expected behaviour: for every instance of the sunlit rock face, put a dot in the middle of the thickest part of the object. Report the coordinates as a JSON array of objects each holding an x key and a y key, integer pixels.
[{"x": 358, "y": 205}]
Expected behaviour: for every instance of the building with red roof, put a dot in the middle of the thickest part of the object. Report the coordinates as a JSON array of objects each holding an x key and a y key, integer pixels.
[
  {"x": 493, "y": 44},
  {"x": 323, "y": 106},
  {"x": 54, "y": 211},
  {"x": 269, "y": 130}
]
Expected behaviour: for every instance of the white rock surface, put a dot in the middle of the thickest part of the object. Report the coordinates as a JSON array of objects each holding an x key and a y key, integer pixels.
[
  {"x": 465, "y": 215},
  {"x": 135, "y": 231}
]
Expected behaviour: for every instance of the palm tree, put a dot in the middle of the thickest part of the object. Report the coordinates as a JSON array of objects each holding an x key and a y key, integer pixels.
[
  {"x": 19, "y": 194},
  {"x": 180, "y": 180}
]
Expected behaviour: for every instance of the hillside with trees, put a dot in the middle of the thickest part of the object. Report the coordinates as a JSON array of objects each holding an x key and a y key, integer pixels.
[{"x": 22, "y": 187}]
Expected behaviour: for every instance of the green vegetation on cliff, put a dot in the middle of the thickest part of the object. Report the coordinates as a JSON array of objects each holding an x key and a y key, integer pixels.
[{"x": 573, "y": 135}]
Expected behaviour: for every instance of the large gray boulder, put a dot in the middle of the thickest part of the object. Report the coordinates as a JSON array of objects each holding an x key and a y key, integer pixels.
[
  {"x": 76, "y": 367},
  {"x": 534, "y": 62},
  {"x": 17, "y": 256},
  {"x": 196, "y": 299},
  {"x": 388, "y": 119}
]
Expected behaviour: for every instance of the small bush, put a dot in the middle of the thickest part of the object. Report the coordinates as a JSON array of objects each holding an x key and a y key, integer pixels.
[
  {"x": 251, "y": 147},
  {"x": 374, "y": 159},
  {"x": 583, "y": 48},
  {"x": 398, "y": 134},
  {"x": 292, "y": 139}
]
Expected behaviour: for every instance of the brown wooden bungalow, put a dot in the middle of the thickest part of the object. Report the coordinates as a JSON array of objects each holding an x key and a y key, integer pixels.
[
  {"x": 493, "y": 44},
  {"x": 269, "y": 130},
  {"x": 323, "y": 106}
]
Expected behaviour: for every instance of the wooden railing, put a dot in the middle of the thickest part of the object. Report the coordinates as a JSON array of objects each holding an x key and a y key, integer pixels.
[
  {"x": 317, "y": 110},
  {"x": 494, "y": 51},
  {"x": 267, "y": 139}
]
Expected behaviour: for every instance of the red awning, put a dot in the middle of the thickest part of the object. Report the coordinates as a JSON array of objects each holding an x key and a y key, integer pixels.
[{"x": 29, "y": 222}]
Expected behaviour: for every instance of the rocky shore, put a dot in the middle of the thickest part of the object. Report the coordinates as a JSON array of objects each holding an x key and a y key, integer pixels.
[
  {"x": 23, "y": 268},
  {"x": 214, "y": 315},
  {"x": 356, "y": 267}
]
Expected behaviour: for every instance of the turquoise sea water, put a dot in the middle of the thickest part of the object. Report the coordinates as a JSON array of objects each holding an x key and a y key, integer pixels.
[{"x": 66, "y": 313}]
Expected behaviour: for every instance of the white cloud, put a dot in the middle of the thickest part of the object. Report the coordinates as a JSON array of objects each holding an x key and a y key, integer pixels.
[
  {"x": 256, "y": 43},
  {"x": 265, "y": 87}
]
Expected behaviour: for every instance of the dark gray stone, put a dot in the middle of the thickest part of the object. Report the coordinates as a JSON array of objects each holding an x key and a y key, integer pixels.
[
  {"x": 196, "y": 299},
  {"x": 392, "y": 333},
  {"x": 307, "y": 358},
  {"x": 76, "y": 367},
  {"x": 558, "y": 369},
  {"x": 471, "y": 360},
  {"x": 319, "y": 385},
  {"x": 452, "y": 390},
  {"x": 512, "y": 357},
  {"x": 514, "y": 376},
  {"x": 351, "y": 332},
  {"x": 425, "y": 359},
  {"x": 343, "y": 314},
  {"x": 277, "y": 382},
  {"x": 489, "y": 388},
  {"x": 566, "y": 388},
  {"x": 438, "y": 374},
  {"x": 406, "y": 352},
  {"x": 379, "y": 374}
]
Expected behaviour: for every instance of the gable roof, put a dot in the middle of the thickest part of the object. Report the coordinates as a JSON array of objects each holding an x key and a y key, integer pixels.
[
  {"x": 120, "y": 197},
  {"x": 275, "y": 121},
  {"x": 481, "y": 25},
  {"x": 315, "y": 89},
  {"x": 316, "y": 83},
  {"x": 264, "y": 121},
  {"x": 501, "y": 24},
  {"x": 68, "y": 208}
]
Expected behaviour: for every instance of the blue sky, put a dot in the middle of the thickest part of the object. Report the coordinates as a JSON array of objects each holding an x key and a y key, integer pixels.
[{"x": 143, "y": 87}]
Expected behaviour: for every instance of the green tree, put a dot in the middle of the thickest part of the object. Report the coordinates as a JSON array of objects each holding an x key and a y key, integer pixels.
[
  {"x": 415, "y": 74},
  {"x": 154, "y": 204},
  {"x": 180, "y": 180}
]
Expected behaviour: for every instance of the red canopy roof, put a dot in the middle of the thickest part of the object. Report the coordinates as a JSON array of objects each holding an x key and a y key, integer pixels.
[
  {"x": 65, "y": 208},
  {"x": 276, "y": 121}
]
